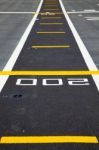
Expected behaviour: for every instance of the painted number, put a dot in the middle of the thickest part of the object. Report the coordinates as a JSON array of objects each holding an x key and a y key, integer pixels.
[
  {"x": 53, "y": 82},
  {"x": 26, "y": 82},
  {"x": 78, "y": 81}
]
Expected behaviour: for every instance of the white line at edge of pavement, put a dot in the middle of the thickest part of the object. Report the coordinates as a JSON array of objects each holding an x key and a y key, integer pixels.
[
  {"x": 15, "y": 54},
  {"x": 88, "y": 60}
]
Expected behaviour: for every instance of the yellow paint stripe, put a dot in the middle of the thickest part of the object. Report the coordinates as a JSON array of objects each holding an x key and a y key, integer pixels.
[
  {"x": 50, "y": 73},
  {"x": 50, "y": 9},
  {"x": 48, "y": 5},
  {"x": 51, "y": 32},
  {"x": 53, "y": 13},
  {"x": 52, "y": 46},
  {"x": 51, "y": 17},
  {"x": 51, "y": 23},
  {"x": 48, "y": 139}
]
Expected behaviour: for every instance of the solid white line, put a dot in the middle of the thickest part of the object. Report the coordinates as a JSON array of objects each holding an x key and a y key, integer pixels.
[
  {"x": 82, "y": 12},
  {"x": 18, "y": 49},
  {"x": 88, "y": 60},
  {"x": 17, "y": 12},
  {"x": 90, "y": 10},
  {"x": 92, "y": 18}
]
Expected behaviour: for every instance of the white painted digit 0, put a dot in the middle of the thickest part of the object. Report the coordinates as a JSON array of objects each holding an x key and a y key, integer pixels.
[
  {"x": 25, "y": 83},
  {"x": 45, "y": 82},
  {"x": 78, "y": 81}
]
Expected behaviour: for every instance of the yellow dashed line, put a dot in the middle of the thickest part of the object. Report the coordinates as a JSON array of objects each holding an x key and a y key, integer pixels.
[
  {"x": 51, "y": 32},
  {"x": 51, "y": 46},
  {"x": 50, "y": 73},
  {"x": 48, "y": 139}
]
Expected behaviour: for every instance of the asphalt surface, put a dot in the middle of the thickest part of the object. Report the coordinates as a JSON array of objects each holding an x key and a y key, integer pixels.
[
  {"x": 88, "y": 29},
  {"x": 12, "y": 26},
  {"x": 50, "y": 110}
]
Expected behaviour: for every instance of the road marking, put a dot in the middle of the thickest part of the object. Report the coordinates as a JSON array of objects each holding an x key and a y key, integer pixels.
[
  {"x": 18, "y": 12},
  {"x": 68, "y": 12},
  {"x": 18, "y": 49},
  {"x": 82, "y": 12},
  {"x": 50, "y": 5},
  {"x": 90, "y": 10},
  {"x": 49, "y": 9},
  {"x": 51, "y": 17},
  {"x": 51, "y": 23},
  {"x": 92, "y": 18},
  {"x": 51, "y": 32},
  {"x": 30, "y": 13},
  {"x": 88, "y": 60},
  {"x": 48, "y": 139},
  {"x": 57, "y": 72},
  {"x": 51, "y": 46}
]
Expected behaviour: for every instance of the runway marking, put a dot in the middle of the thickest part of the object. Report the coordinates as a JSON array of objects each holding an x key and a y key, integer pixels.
[
  {"x": 51, "y": 23},
  {"x": 68, "y": 12},
  {"x": 87, "y": 58},
  {"x": 51, "y": 32},
  {"x": 18, "y": 12},
  {"x": 90, "y": 10},
  {"x": 50, "y": 9},
  {"x": 18, "y": 48},
  {"x": 48, "y": 139},
  {"x": 37, "y": 13},
  {"x": 82, "y": 12},
  {"x": 50, "y": 5},
  {"x": 51, "y": 17},
  {"x": 92, "y": 18},
  {"x": 57, "y": 72},
  {"x": 55, "y": 13},
  {"x": 51, "y": 46}
]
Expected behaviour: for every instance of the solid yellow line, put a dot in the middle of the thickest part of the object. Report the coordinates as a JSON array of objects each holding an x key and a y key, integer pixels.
[
  {"x": 51, "y": 32},
  {"x": 51, "y": 23},
  {"x": 50, "y": 73},
  {"x": 52, "y": 46},
  {"x": 48, "y": 139}
]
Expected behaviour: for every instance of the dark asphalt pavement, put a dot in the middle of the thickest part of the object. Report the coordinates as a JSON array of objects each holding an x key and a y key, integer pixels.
[{"x": 50, "y": 107}]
